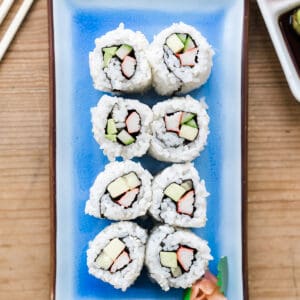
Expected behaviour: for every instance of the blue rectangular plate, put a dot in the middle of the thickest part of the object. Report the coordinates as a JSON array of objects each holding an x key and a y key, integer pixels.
[{"x": 76, "y": 159}]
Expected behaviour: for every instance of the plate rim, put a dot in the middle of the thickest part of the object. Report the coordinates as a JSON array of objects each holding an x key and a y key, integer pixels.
[{"x": 52, "y": 148}]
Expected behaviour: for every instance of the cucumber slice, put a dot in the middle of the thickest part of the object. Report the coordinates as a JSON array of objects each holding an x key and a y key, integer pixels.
[
  {"x": 111, "y": 127},
  {"x": 182, "y": 37},
  {"x": 174, "y": 191},
  {"x": 192, "y": 123},
  {"x": 111, "y": 137},
  {"x": 168, "y": 259},
  {"x": 114, "y": 248},
  {"x": 189, "y": 44},
  {"x": 174, "y": 43},
  {"x": 109, "y": 53},
  {"x": 176, "y": 271},
  {"x": 117, "y": 187},
  {"x": 189, "y": 133},
  {"x": 123, "y": 51},
  {"x": 110, "y": 50},
  {"x": 187, "y": 117},
  {"x": 125, "y": 137},
  {"x": 103, "y": 261},
  {"x": 187, "y": 185},
  {"x": 132, "y": 180},
  {"x": 106, "y": 59}
]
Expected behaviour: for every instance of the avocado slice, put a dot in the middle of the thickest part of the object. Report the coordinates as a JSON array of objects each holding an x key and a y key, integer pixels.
[
  {"x": 187, "y": 185},
  {"x": 111, "y": 127},
  {"x": 110, "y": 50},
  {"x": 182, "y": 37},
  {"x": 192, "y": 123},
  {"x": 117, "y": 187},
  {"x": 176, "y": 271},
  {"x": 109, "y": 53},
  {"x": 189, "y": 44},
  {"x": 189, "y": 133},
  {"x": 168, "y": 259},
  {"x": 111, "y": 137},
  {"x": 174, "y": 43},
  {"x": 132, "y": 180},
  {"x": 125, "y": 137},
  {"x": 106, "y": 59},
  {"x": 103, "y": 261},
  {"x": 174, "y": 191},
  {"x": 186, "y": 117},
  {"x": 123, "y": 51},
  {"x": 114, "y": 248}
]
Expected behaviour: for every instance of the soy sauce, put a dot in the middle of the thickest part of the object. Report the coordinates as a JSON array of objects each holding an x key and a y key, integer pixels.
[{"x": 291, "y": 38}]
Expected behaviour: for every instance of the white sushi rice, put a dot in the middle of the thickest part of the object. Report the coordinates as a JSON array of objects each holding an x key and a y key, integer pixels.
[
  {"x": 135, "y": 238},
  {"x": 100, "y": 204},
  {"x": 111, "y": 79},
  {"x": 163, "y": 209},
  {"x": 167, "y": 146},
  {"x": 173, "y": 78},
  {"x": 100, "y": 114},
  {"x": 167, "y": 238}
]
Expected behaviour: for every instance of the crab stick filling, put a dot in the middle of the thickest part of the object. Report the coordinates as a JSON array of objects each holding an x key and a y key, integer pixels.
[
  {"x": 183, "y": 195},
  {"x": 124, "y": 190},
  {"x": 114, "y": 257},
  {"x": 123, "y": 126},
  {"x": 178, "y": 261}
]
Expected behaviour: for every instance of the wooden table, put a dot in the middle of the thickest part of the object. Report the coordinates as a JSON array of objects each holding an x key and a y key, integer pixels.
[{"x": 274, "y": 168}]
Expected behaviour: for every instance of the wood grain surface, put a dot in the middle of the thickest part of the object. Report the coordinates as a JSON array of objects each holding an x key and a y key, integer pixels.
[{"x": 274, "y": 167}]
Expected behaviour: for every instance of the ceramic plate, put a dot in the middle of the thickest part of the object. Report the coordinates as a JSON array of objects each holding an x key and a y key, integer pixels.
[{"x": 77, "y": 159}]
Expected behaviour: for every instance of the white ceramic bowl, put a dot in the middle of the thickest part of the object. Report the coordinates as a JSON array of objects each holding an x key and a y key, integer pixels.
[{"x": 271, "y": 11}]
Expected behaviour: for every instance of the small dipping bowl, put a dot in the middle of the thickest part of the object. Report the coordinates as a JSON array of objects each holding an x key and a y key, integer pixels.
[{"x": 278, "y": 16}]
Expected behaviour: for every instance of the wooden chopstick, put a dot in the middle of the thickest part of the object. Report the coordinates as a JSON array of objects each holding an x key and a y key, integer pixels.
[
  {"x": 4, "y": 8},
  {"x": 14, "y": 26}
]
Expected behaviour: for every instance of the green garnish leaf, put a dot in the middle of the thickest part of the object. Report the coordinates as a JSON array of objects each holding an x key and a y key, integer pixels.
[
  {"x": 187, "y": 294},
  {"x": 223, "y": 274}
]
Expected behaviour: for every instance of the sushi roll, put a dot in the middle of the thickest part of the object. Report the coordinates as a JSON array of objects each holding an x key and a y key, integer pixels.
[
  {"x": 179, "y": 129},
  {"x": 176, "y": 257},
  {"x": 119, "y": 63},
  {"x": 181, "y": 59},
  {"x": 116, "y": 255},
  {"x": 121, "y": 192},
  {"x": 179, "y": 197},
  {"x": 122, "y": 127}
]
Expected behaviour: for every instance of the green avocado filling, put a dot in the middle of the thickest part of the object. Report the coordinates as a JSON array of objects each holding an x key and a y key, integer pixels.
[
  {"x": 168, "y": 259},
  {"x": 111, "y": 127},
  {"x": 174, "y": 191},
  {"x": 109, "y": 53}
]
